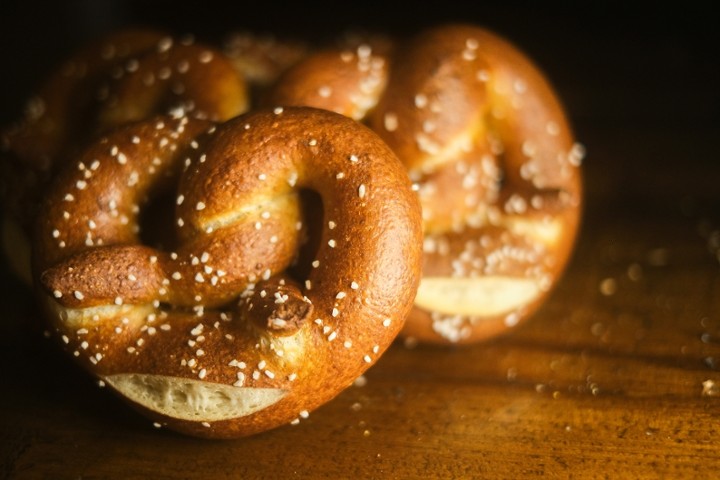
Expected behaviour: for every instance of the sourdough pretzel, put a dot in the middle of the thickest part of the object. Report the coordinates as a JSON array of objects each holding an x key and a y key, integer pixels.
[
  {"x": 216, "y": 338},
  {"x": 125, "y": 77},
  {"x": 492, "y": 156}
]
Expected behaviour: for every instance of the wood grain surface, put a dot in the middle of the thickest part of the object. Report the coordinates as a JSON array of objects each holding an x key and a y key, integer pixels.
[{"x": 617, "y": 376}]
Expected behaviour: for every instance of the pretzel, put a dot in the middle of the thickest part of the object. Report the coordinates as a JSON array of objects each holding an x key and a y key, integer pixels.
[
  {"x": 125, "y": 77},
  {"x": 228, "y": 333},
  {"x": 489, "y": 149},
  {"x": 261, "y": 59}
]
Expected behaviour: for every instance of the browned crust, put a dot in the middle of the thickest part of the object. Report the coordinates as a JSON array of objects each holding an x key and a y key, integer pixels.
[{"x": 338, "y": 319}]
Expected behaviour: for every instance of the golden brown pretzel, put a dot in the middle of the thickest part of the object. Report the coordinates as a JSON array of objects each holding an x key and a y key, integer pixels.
[
  {"x": 488, "y": 146},
  {"x": 215, "y": 338},
  {"x": 124, "y": 77}
]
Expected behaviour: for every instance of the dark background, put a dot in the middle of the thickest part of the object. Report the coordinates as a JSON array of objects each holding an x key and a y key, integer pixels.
[
  {"x": 654, "y": 49},
  {"x": 641, "y": 82}
]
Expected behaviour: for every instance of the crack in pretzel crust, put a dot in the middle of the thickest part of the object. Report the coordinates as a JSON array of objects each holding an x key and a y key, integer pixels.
[
  {"x": 492, "y": 157},
  {"x": 231, "y": 331}
]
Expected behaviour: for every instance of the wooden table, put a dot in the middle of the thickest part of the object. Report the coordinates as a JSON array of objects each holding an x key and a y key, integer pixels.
[{"x": 615, "y": 377}]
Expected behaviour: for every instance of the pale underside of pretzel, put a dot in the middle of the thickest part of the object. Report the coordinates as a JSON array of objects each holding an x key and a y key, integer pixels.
[
  {"x": 215, "y": 338},
  {"x": 489, "y": 149}
]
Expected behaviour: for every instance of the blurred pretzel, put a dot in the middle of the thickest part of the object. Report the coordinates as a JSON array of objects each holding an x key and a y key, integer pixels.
[
  {"x": 489, "y": 149},
  {"x": 125, "y": 77}
]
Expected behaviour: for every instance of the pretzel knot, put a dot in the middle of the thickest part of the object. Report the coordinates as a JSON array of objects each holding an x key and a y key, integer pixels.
[
  {"x": 490, "y": 151},
  {"x": 229, "y": 333}
]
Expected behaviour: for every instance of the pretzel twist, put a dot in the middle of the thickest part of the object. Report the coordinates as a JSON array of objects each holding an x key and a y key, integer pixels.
[
  {"x": 216, "y": 338},
  {"x": 125, "y": 77},
  {"x": 487, "y": 144}
]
